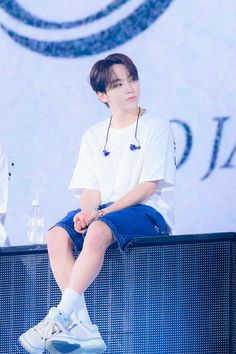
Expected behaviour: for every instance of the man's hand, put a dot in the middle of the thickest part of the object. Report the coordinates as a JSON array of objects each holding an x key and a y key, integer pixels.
[
  {"x": 88, "y": 199},
  {"x": 83, "y": 219}
]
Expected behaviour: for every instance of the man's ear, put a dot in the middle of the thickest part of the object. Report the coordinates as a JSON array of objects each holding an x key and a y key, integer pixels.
[{"x": 102, "y": 96}]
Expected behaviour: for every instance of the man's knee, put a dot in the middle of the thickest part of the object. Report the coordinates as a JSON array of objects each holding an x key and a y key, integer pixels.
[
  {"x": 98, "y": 237},
  {"x": 57, "y": 238}
]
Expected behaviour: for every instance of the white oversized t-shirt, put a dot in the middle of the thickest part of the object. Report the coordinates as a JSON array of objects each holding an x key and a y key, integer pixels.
[{"x": 116, "y": 174}]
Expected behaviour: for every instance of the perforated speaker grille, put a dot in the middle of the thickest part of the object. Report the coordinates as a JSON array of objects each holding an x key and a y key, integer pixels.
[{"x": 159, "y": 299}]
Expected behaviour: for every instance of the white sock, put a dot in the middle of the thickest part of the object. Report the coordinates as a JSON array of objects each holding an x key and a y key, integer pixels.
[
  {"x": 83, "y": 313},
  {"x": 72, "y": 301}
]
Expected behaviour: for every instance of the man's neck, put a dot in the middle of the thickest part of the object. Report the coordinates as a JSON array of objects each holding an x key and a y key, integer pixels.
[{"x": 122, "y": 119}]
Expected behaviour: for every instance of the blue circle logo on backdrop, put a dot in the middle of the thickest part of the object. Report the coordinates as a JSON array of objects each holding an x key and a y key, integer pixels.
[{"x": 127, "y": 27}]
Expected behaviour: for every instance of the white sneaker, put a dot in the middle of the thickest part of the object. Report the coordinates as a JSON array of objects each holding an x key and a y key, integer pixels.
[
  {"x": 34, "y": 340},
  {"x": 80, "y": 338}
]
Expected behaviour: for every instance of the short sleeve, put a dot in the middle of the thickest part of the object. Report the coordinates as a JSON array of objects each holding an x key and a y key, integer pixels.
[
  {"x": 159, "y": 157},
  {"x": 84, "y": 176}
]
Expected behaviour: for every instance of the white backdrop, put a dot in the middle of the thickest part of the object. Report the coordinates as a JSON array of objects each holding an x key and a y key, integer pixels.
[{"x": 186, "y": 61}]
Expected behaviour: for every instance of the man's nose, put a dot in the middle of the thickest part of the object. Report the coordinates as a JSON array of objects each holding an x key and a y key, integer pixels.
[{"x": 129, "y": 87}]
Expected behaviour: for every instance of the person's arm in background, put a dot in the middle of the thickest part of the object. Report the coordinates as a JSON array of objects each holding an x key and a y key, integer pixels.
[{"x": 3, "y": 183}]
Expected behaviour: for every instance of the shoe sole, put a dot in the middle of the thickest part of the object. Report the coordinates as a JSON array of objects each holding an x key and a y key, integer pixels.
[
  {"x": 28, "y": 347},
  {"x": 57, "y": 346}
]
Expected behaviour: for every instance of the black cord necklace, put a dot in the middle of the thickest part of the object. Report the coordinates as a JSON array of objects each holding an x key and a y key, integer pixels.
[{"x": 132, "y": 147}]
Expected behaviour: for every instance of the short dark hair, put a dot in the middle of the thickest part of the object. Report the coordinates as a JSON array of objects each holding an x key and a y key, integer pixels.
[{"x": 101, "y": 75}]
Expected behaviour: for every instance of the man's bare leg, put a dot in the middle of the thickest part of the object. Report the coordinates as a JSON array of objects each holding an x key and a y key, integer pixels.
[
  {"x": 78, "y": 274},
  {"x": 83, "y": 272},
  {"x": 89, "y": 263},
  {"x": 60, "y": 256}
]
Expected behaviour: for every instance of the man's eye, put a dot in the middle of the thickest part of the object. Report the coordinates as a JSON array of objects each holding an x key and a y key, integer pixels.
[{"x": 117, "y": 85}]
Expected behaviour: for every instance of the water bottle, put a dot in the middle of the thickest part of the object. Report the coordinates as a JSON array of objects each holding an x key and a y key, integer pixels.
[
  {"x": 35, "y": 224},
  {"x": 3, "y": 236}
]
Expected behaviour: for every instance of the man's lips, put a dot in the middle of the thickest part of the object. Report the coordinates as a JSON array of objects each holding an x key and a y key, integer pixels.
[{"x": 131, "y": 98}]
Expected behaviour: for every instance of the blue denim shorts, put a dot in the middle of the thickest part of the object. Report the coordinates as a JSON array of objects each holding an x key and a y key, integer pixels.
[{"x": 126, "y": 224}]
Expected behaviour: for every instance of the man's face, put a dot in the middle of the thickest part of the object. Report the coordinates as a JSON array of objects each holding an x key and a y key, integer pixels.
[{"x": 123, "y": 93}]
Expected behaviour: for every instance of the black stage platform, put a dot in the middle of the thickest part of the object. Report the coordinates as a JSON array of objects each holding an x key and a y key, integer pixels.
[{"x": 164, "y": 295}]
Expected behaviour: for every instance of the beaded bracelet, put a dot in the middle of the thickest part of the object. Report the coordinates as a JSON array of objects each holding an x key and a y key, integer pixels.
[{"x": 98, "y": 211}]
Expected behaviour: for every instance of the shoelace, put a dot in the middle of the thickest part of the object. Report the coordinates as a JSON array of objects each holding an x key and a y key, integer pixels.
[{"x": 48, "y": 327}]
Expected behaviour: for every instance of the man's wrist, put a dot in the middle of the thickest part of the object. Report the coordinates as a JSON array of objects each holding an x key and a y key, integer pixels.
[
  {"x": 107, "y": 210},
  {"x": 98, "y": 211}
]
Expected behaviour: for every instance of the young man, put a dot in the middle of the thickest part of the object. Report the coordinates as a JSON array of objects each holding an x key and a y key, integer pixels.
[{"x": 125, "y": 176}]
